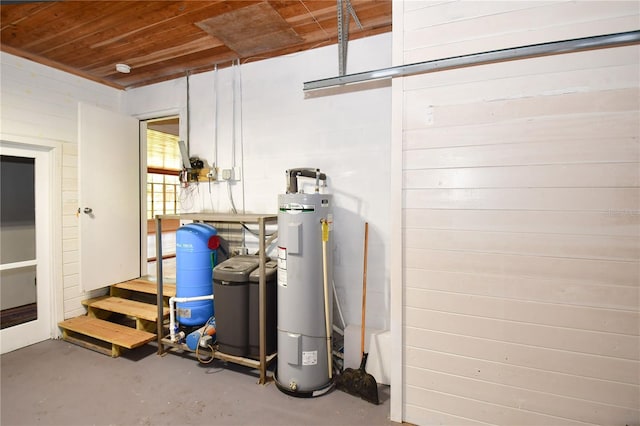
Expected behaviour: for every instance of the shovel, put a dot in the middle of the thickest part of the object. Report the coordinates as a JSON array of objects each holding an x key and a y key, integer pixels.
[{"x": 359, "y": 382}]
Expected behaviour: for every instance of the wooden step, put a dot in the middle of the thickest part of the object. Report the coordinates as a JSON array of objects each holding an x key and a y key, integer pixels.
[
  {"x": 118, "y": 336},
  {"x": 138, "y": 310},
  {"x": 148, "y": 286}
]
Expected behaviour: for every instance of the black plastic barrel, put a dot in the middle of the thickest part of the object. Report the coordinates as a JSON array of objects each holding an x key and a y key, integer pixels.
[{"x": 231, "y": 283}]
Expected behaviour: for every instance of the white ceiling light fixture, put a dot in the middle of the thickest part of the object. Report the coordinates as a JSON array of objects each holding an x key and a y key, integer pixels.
[{"x": 123, "y": 68}]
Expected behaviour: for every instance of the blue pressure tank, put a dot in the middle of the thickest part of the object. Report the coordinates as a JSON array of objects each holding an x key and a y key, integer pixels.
[{"x": 196, "y": 252}]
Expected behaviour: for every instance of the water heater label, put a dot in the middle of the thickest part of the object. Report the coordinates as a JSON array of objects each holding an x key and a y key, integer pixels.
[
  {"x": 282, "y": 266},
  {"x": 282, "y": 277},
  {"x": 309, "y": 357}
]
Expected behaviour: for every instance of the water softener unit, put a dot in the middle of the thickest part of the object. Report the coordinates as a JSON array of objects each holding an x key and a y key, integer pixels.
[{"x": 304, "y": 295}]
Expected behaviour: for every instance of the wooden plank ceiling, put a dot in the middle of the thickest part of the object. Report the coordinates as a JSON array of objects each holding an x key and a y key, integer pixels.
[{"x": 163, "y": 40}]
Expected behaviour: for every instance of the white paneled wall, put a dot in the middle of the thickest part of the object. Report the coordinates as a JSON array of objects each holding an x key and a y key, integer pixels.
[
  {"x": 346, "y": 135},
  {"x": 41, "y": 102},
  {"x": 521, "y": 219}
]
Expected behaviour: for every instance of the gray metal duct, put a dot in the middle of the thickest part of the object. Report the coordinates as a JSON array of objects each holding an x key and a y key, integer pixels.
[{"x": 509, "y": 54}]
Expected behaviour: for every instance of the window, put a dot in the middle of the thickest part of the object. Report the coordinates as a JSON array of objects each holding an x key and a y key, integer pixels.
[
  {"x": 163, "y": 167},
  {"x": 162, "y": 194}
]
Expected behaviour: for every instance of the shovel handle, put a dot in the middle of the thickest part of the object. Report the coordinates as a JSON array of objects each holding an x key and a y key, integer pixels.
[{"x": 364, "y": 285}]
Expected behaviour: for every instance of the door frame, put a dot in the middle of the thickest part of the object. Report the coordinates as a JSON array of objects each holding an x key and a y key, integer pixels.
[
  {"x": 143, "y": 196},
  {"x": 143, "y": 118},
  {"x": 397, "y": 302},
  {"x": 50, "y": 230}
]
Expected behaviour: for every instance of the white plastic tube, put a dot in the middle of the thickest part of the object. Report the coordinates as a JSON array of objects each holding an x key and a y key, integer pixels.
[{"x": 172, "y": 315}]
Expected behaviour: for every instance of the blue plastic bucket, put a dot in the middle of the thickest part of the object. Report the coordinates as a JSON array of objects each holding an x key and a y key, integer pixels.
[{"x": 196, "y": 250}]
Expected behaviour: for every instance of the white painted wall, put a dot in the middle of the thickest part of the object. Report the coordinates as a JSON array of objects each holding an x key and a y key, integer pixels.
[
  {"x": 346, "y": 135},
  {"x": 39, "y": 102},
  {"x": 521, "y": 220}
]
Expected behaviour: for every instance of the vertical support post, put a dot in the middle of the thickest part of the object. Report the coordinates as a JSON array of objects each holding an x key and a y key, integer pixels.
[
  {"x": 115, "y": 350},
  {"x": 343, "y": 38},
  {"x": 262, "y": 302},
  {"x": 159, "y": 297},
  {"x": 396, "y": 278}
]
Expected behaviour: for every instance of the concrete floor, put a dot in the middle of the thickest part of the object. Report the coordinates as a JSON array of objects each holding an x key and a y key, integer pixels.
[{"x": 57, "y": 383}]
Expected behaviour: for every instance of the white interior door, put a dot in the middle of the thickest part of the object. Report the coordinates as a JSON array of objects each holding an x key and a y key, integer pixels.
[
  {"x": 109, "y": 210},
  {"x": 25, "y": 240}
]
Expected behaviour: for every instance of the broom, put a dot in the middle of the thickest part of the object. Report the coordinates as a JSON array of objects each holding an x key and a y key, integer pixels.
[{"x": 359, "y": 382}]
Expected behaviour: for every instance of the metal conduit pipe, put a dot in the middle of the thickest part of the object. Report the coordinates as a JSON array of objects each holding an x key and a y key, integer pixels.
[{"x": 509, "y": 54}]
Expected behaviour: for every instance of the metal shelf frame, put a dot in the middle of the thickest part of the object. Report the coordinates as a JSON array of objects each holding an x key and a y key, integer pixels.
[{"x": 261, "y": 220}]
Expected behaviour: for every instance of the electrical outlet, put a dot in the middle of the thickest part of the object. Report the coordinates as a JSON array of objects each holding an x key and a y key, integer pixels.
[
  {"x": 232, "y": 174},
  {"x": 429, "y": 116}
]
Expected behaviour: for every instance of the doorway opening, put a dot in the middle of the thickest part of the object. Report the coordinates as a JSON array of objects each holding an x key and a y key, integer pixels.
[
  {"x": 18, "y": 296},
  {"x": 164, "y": 164},
  {"x": 26, "y": 253}
]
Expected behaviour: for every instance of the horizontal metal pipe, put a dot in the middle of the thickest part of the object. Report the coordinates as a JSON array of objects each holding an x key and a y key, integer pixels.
[{"x": 508, "y": 54}]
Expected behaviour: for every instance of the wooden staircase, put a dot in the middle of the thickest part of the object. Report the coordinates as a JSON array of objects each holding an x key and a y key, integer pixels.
[{"x": 125, "y": 319}]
